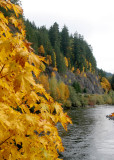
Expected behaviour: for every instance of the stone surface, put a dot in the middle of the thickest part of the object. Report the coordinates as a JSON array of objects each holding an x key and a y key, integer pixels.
[{"x": 91, "y": 82}]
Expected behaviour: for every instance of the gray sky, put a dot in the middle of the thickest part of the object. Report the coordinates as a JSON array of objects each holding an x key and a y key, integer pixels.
[{"x": 94, "y": 19}]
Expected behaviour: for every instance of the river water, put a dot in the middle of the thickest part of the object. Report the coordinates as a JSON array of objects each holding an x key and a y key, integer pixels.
[{"x": 91, "y": 137}]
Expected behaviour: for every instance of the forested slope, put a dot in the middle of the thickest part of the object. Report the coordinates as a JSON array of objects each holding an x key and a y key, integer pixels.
[{"x": 62, "y": 50}]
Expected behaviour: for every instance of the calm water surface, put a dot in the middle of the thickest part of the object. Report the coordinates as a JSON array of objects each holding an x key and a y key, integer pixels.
[{"x": 91, "y": 137}]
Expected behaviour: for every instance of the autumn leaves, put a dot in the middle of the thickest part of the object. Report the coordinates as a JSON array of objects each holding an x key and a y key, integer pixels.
[{"x": 19, "y": 93}]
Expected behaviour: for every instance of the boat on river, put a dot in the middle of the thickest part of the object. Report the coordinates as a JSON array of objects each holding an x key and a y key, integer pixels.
[{"x": 111, "y": 116}]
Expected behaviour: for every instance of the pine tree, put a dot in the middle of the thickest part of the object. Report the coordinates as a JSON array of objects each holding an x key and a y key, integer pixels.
[
  {"x": 61, "y": 66},
  {"x": 65, "y": 41},
  {"x": 15, "y": 1},
  {"x": 54, "y": 35}
]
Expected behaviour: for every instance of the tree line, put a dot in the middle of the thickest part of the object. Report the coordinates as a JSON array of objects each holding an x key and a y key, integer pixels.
[{"x": 61, "y": 47}]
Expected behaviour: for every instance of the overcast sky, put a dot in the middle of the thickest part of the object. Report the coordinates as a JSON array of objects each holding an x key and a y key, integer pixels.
[{"x": 94, "y": 19}]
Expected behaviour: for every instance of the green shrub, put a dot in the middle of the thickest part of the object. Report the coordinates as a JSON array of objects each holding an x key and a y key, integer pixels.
[
  {"x": 84, "y": 90},
  {"x": 107, "y": 99},
  {"x": 73, "y": 97},
  {"x": 77, "y": 87},
  {"x": 83, "y": 99},
  {"x": 67, "y": 104},
  {"x": 53, "y": 87},
  {"x": 111, "y": 94},
  {"x": 59, "y": 91},
  {"x": 92, "y": 100},
  {"x": 99, "y": 99}
]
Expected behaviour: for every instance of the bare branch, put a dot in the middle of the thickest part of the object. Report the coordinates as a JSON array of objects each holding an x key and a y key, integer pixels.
[{"x": 2, "y": 68}]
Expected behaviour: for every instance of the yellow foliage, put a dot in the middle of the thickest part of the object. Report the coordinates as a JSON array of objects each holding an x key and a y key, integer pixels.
[
  {"x": 61, "y": 87},
  {"x": 53, "y": 86},
  {"x": 36, "y": 134},
  {"x": 72, "y": 69},
  {"x": 69, "y": 81},
  {"x": 49, "y": 60},
  {"x": 97, "y": 78},
  {"x": 58, "y": 94},
  {"x": 63, "y": 92},
  {"x": 78, "y": 71},
  {"x": 87, "y": 63},
  {"x": 105, "y": 84},
  {"x": 59, "y": 90},
  {"x": 41, "y": 50},
  {"x": 66, "y": 61},
  {"x": 85, "y": 75},
  {"x": 90, "y": 67},
  {"x": 43, "y": 79},
  {"x": 67, "y": 94},
  {"x": 53, "y": 74},
  {"x": 54, "y": 69},
  {"x": 83, "y": 69},
  {"x": 55, "y": 65}
]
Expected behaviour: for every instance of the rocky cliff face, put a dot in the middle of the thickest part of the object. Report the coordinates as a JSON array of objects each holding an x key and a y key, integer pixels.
[
  {"x": 87, "y": 81},
  {"x": 91, "y": 83}
]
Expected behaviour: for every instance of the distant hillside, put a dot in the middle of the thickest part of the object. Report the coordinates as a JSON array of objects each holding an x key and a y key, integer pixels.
[
  {"x": 108, "y": 74},
  {"x": 69, "y": 56},
  {"x": 103, "y": 73}
]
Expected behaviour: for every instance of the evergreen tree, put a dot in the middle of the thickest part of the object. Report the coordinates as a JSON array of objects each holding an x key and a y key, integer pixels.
[
  {"x": 79, "y": 57},
  {"x": 54, "y": 35},
  {"x": 77, "y": 87},
  {"x": 101, "y": 73},
  {"x": 43, "y": 39},
  {"x": 16, "y": 2},
  {"x": 65, "y": 41},
  {"x": 90, "y": 57},
  {"x": 60, "y": 60},
  {"x": 32, "y": 34}
]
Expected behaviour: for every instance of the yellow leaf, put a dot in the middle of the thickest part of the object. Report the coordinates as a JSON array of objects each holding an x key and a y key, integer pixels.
[
  {"x": 14, "y": 21},
  {"x": 17, "y": 9}
]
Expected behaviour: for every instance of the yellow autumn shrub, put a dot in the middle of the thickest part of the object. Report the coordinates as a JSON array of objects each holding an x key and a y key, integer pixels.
[
  {"x": 105, "y": 84},
  {"x": 43, "y": 79},
  {"x": 41, "y": 50},
  {"x": 59, "y": 90}
]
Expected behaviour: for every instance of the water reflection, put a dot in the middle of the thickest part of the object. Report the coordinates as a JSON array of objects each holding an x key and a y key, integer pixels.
[{"x": 91, "y": 137}]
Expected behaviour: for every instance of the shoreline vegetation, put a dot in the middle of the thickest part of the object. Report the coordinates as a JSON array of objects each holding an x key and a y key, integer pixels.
[
  {"x": 88, "y": 100},
  {"x": 73, "y": 95}
]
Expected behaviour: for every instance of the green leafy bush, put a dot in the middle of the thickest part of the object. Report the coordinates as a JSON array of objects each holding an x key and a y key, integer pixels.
[
  {"x": 77, "y": 87},
  {"x": 99, "y": 99},
  {"x": 73, "y": 97}
]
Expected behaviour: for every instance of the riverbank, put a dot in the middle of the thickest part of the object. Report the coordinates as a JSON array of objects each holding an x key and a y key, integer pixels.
[
  {"x": 75, "y": 90},
  {"x": 82, "y": 100}
]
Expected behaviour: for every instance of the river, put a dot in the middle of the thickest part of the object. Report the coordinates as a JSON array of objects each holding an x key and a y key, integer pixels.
[{"x": 91, "y": 137}]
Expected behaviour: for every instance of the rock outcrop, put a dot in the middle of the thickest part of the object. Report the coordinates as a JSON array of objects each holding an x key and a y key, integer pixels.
[{"x": 87, "y": 81}]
